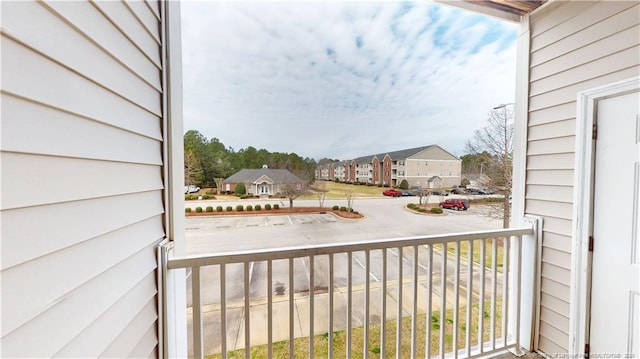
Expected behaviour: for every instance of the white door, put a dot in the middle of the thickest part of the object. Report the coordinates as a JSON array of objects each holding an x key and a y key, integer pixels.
[{"x": 615, "y": 291}]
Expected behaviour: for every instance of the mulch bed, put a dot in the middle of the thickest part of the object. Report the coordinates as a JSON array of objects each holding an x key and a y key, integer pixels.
[{"x": 280, "y": 211}]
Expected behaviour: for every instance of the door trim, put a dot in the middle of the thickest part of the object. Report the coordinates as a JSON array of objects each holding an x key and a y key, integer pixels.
[{"x": 583, "y": 207}]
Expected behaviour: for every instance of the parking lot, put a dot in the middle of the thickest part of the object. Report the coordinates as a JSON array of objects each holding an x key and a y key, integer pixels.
[{"x": 384, "y": 218}]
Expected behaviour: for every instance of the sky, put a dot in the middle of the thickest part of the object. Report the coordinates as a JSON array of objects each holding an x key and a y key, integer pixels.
[{"x": 343, "y": 79}]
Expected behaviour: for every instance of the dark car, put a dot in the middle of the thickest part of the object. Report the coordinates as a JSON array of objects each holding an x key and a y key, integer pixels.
[
  {"x": 407, "y": 194},
  {"x": 478, "y": 191},
  {"x": 439, "y": 193},
  {"x": 392, "y": 193},
  {"x": 458, "y": 191},
  {"x": 458, "y": 204}
]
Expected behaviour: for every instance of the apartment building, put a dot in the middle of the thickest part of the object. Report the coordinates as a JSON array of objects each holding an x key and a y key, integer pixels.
[{"x": 425, "y": 167}]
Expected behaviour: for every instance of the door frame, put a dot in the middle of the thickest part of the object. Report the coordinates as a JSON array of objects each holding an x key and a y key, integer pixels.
[{"x": 583, "y": 193}]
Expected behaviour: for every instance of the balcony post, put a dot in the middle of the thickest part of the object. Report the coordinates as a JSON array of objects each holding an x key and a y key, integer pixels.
[{"x": 529, "y": 249}]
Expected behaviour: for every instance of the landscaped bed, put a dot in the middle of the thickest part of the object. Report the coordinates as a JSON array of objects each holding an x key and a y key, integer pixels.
[{"x": 273, "y": 211}]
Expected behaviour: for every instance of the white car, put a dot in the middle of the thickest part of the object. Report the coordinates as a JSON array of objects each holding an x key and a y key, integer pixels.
[{"x": 191, "y": 189}]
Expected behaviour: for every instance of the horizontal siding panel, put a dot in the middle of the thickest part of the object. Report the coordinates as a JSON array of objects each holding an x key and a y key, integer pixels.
[
  {"x": 554, "y": 14},
  {"x": 84, "y": 16},
  {"x": 557, "y": 241},
  {"x": 556, "y": 320},
  {"x": 125, "y": 20},
  {"x": 551, "y": 146},
  {"x": 560, "y": 161},
  {"x": 602, "y": 48},
  {"x": 559, "y": 339},
  {"x": 548, "y": 208},
  {"x": 45, "y": 336},
  {"x": 601, "y": 30},
  {"x": 550, "y": 177},
  {"x": 106, "y": 328},
  {"x": 561, "y": 128},
  {"x": 619, "y": 61},
  {"x": 556, "y": 289},
  {"x": 545, "y": 345},
  {"x": 560, "y": 226},
  {"x": 63, "y": 225},
  {"x": 146, "y": 17},
  {"x": 584, "y": 19},
  {"x": 154, "y": 7},
  {"x": 57, "y": 133},
  {"x": 129, "y": 340},
  {"x": 32, "y": 24},
  {"x": 147, "y": 344},
  {"x": 569, "y": 93},
  {"x": 555, "y": 304},
  {"x": 70, "y": 179},
  {"x": 550, "y": 193},
  {"x": 566, "y": 111},
  {"x": 557, "y": 258},
  {"x": 77, "y": 265},
  {"x": 64, "y": 89},
  {"x": 556, "y": 273}
]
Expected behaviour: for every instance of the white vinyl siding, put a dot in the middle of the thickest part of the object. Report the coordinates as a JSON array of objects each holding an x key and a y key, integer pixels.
[
  {"x": 574, "y": 46},
  {"x": 82, "y": 178}
]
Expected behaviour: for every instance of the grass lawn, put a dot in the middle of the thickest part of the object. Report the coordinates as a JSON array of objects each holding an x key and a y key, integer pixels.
[
  {"x": 301, "y": 345},
  {"x": 337, "y": 190}
]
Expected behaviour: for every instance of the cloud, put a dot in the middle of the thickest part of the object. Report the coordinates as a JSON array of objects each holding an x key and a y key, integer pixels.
[{"x": 342, "y": 80}]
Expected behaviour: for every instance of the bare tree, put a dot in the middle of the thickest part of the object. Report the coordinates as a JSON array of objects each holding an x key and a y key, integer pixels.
[
  {"x": 292, "y": 190},
  {"x": 348, "y": 194},
  {"x": 497, "y": 139},
  {"x": 218, "y": 181},
  {"x": 423, "y": 194},
  {"x": 192, "y": 168},
  {"x": 320, "y": 189}
]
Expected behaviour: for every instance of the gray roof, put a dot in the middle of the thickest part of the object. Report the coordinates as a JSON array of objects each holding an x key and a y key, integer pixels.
[
  {"x": 395, "y": 155},
  {"x": 251, "y": 175}
]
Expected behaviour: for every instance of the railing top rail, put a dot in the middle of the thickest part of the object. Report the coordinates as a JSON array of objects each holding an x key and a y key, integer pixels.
[{"x": 262, "y": 254}]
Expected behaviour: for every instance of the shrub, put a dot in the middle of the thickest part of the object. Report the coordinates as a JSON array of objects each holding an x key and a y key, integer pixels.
[
  {"x": 421, "y": 210},
  {"x": 335, "y": 208},
  {"x": 355, "y": 212},
  {"x": 240, "y": 189},
  {"x": 276, "y": 206},
  {"x": 404, "y": 184},
  {"x": 198, "y": 209},
  {"x": 257, "y": 207},
  {"x": 206, "y": 196},
  {"x": 229, "y": 208},
  {"x": 210, "y": 192},
  {"x": 188, "y": 209},
  {"x": 239, "y": 208},
  {"x": 343, "y": 209},
  {"x": 189, "y": 197},
  {"x": 209, "y": 209},
  {"x": 436, "y": 210},
  {"x": 219, "y": 209},
  {"x": 249, "y": 208},
  {"x": 267, "y": 207}
]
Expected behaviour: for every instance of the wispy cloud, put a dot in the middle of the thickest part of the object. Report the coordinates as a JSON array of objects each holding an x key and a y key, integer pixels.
[{"x": 342, "y": 79}]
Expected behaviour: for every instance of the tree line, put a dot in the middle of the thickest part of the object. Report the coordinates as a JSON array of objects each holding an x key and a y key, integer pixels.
[{"x": 207, "y": 161}]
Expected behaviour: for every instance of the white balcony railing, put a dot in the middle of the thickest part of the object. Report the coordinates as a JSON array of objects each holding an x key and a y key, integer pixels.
[{"x": 457, "y": 294}]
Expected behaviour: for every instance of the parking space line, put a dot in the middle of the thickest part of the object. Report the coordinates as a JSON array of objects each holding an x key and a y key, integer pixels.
[
  {"x": 363, "y": 267},
  {"x": 290, "y": 221}
]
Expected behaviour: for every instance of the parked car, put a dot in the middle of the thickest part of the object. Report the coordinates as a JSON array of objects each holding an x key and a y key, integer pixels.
[
  {"x": 191, "y": 189},
  {"x": 458, "y": 204},
  {"x": 407, "y": 194},
  {"x": 437, "y": 192},
  {"x": 458, "y": 191},
  {"x": 392, "y": 193},
  {"x": 479, "y": 191}
]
